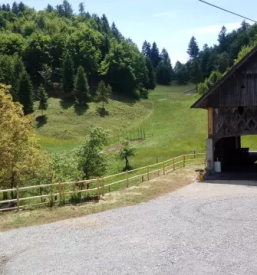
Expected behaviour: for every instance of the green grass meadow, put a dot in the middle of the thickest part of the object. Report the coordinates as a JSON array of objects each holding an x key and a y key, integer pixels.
[{"x": 166, "y": 122}]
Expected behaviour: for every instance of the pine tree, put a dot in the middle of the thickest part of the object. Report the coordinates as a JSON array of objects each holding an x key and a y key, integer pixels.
[
  {"x": 103, "y": 93},
  {"x": 21, "y": 7},
  {"x": 116, "y": 33},
  {"x": 49, "y": 8},
  {"x": 67, "y": 74},
  {"x": 67, "y": 9},
  {"x": 3, "y": 7},
  {"x": 43, "y": 99},
  {"x": 155, "y": 55},
  {"x": 223, "y": 43},
  {"x": 151, "y": 75},
  {"x": 25, "y": 93},
  {"x": 105, "y": 24},
  {"x": 166, "y": 60},
  {"x": 146, "y": 49},
  {"x": 193, "y": 49},
  {"x": 163, "y": 75},
  {"x": 82, "y": 8},
  {"x": 15, "y": 8},
  {"x": 81, "y": 88},
  {"x": 181, "y": 73},
  {"x": 196, "y": 73},
  {"x": 8, "y": 8}
]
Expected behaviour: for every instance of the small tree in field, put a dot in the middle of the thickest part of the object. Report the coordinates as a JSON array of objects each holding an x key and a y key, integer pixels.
[
  {"x": 103, "y": 93},
  {"x": 91, "y": 158},
  {"x": 43, "y": 99},
  {"x": 125, "y": 152},
  {"x": 81, "y": 88}
]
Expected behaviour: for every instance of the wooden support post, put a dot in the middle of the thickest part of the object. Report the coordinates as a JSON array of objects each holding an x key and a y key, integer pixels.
[
  {"x": 194, "y": 154},
  {"x": 173, "y": 164},
  {"x": 157, "y": 161},
  {"x": 102, "y": 186},
  {"x": 184, "y": 160},
  {"x": 17, "y": 197},
  {"x": 60, "y": 192},
  {"x": 148, "y": 173},
  {"x": 163, "y": 167},
  {"x": 98, "y": 187},
  {"x": 127, "y": 178}
]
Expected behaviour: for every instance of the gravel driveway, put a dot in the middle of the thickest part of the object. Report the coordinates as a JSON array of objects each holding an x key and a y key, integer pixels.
[{"x": 203, "y": 228}]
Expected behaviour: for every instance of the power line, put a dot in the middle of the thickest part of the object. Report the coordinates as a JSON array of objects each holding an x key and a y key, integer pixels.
[{"x": 227, "y": 11}]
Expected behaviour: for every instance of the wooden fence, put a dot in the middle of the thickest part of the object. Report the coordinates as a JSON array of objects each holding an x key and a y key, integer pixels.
[{"x": 67, "y": 192}]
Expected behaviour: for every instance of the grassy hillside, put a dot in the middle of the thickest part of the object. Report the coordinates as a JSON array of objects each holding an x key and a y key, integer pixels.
[
  {"x": 66, "y": 125},
  {"x": 169, "y": 125}
]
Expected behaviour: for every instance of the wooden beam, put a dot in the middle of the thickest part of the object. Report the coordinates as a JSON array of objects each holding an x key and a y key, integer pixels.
[{"x": 210, "y": 121}]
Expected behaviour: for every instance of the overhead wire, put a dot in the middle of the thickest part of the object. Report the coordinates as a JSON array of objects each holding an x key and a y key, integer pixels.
[{"x": 207, "y": 3}]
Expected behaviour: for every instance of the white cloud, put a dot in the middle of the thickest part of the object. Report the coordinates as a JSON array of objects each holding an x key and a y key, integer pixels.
[
  {"x": 210, "y": 30},
  {"x": 163, "y": 14}
]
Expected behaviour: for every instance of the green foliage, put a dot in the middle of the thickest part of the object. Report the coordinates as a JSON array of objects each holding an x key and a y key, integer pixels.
[
  {"x": 193, "y": 49},
  {"x": 103, "y": 93},
  {"x": 196, "y": 72},
  {"x": 214, "y": 77},
  {"x": 91, "y": 158},
  {"x": 67, "y": 74},
  {"x": 125, "y": 152},
  {"x": 25, "y": 93},
  {"x": 181, "y": 73},
  {"x": 65, "y": 167},
  {"x": 203, "y": 88},
  {"x": 163, "y": 73},
  {"x": 21, "y": 161},
  {"x": 155, "y": 55},
  {"x": 151, "y": 75},
  {"x": 223, "y": 62},
  {"x": 81, "y": 88},
  {"x": 43, "y": 98}
]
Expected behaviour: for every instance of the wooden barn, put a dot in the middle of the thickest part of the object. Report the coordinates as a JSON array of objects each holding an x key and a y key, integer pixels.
[{"x": 232, "y": 113}]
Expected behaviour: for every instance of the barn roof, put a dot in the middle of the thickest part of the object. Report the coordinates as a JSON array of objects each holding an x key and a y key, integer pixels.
[{"x": 200, "y": 101}]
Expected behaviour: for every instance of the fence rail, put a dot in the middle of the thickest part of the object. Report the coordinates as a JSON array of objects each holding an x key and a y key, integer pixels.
[{"x": 60, "y": 193}]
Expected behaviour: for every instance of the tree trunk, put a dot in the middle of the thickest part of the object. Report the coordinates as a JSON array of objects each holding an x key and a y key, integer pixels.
[
  {"x": 127, "y": 163},
  {"x": 12, "y": 185}
]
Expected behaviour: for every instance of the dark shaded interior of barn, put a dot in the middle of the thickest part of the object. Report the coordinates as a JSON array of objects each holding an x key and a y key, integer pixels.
[{"x": 233, "y": 157}]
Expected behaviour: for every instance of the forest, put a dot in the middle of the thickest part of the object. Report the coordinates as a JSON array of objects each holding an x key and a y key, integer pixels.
[{"x": 81, "y": 58}]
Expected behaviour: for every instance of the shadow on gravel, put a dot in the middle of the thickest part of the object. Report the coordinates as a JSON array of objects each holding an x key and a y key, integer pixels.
[{"x": 233, "y": 178}]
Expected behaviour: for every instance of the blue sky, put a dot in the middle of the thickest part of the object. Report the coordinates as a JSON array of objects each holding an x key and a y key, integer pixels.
[{"x": 171, "y": 23}]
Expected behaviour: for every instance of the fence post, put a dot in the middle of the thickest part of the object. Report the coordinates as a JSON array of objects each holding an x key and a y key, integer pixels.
[
  {"x": 194, "y": 154},
  {"x": 98, "y": 187},
  {"x": 60, "y": 192},
  {"x": 163, "y": 167},
  {"x": 127, "y": 178},
  {"x": 173, "y": 164},
  {"x": 148, "y": 174},
  {"x": 102, "y": 186},
  {"x": 184, "y": 160},
  {"x": 17, "y": 197},
  {"x": 157, "y": 160}
]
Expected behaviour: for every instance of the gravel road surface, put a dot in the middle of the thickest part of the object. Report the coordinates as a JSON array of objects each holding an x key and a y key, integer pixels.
[{"x": 203, "y": 228}]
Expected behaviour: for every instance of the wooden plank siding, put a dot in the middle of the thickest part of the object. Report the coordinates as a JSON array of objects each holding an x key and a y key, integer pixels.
[
  {"x": 239, "y": 89},
  {"x": 210, "y": 121}
]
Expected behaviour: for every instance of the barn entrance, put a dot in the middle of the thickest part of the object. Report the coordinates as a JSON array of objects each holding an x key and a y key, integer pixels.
[{"x": 234, "y": 156}]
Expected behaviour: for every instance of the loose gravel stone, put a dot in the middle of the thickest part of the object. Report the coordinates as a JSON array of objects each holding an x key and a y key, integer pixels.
[{"x": 201, "y": 229}]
